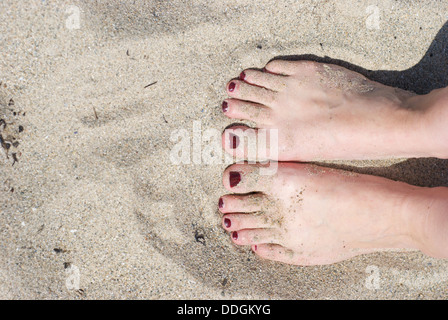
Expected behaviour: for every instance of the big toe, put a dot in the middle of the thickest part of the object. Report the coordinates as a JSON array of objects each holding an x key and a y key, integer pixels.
[
  {"x": 259, "y": 144},
  {"x": 244, "y": 178}
]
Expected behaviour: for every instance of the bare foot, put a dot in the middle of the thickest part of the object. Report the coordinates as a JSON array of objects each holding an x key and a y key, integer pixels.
[
  {"x": 326, "y": 112},
  {"x": 310, "y": 215}
]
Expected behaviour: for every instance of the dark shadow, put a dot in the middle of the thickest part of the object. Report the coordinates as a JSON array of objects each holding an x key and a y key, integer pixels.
[
  {"x": 424, "y": 172},
  {"x": 430, "y": 73}
]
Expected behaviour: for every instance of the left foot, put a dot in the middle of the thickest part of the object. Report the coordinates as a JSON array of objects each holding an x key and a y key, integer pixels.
[
  {"x": 310, "y": 215},
  {"x": 326, "y": 112}
]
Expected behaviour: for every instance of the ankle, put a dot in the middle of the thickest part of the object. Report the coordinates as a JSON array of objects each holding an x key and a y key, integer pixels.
[
  {"x": 428, "y": 221},
  {"x": 431, "y": 113}
]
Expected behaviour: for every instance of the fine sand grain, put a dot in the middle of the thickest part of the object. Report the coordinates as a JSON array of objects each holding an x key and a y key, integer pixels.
[{"x": 92, "y": 207}]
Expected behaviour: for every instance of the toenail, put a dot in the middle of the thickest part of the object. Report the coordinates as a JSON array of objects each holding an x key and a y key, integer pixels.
[
  {"x": 234, "y": 141},
  {"x": 242, "y": 75},
  {"x": 235, "y": 235},
  {"x": 225, "y": 106},
  {"x": 232, "y": 86},
  {"x": 255, "y": 247},
  {"x": 221, "y": 203},
  {"x": 227, "y": 222},
  {"x": 234, "y": 178}
]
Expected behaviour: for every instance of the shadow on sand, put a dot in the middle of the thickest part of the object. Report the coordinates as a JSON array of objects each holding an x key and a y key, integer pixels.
[
  {"x": 430, "y": 73},
  {"x": 238, "y": 272}
]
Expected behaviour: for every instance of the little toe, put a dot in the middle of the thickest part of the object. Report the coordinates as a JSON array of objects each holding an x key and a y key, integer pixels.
[
  {"x": 275, "y": 252},
  {"x": 286, "y": 67}
]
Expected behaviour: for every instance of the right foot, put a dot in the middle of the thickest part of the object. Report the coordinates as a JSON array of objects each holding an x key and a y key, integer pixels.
[
  {"x": 326, "y": 112},
  {"x": 310, "y": 215}
]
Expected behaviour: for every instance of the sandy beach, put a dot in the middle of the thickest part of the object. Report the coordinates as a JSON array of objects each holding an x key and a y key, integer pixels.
[{"x": 92, "y": 205}]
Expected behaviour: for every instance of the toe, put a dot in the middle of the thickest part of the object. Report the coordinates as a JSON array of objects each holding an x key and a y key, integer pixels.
[
  {"x": 244, "y": 91},
  {"x": 251, "y": 144},
  {"x": 242, "y": 203},
  {"x": 246, "y": 237},
  {"x": 286, "y": 67},
  {"x": 267, "y": 80},
  {"x": 274, "y": 252},
  {"x": 241, "y": 221},
  {"x": 244, "y": 110},
  {"x": 243, "y": 178}
]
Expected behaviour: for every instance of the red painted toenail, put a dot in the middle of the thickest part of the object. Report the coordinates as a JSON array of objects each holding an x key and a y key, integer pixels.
[
  {"x": 255, "y": 247},
  {"x": 221, "y": 203},
  {"x": 234, "y": 141},
  {"x": 232, "y": 86},
  {"x": 242, "y": 75},
  {"x": 234, "y": 178},
  {"x": 227, "y": 223},
  {"x": 235, "y": 235},
  {"x": 225, "y": 106}
]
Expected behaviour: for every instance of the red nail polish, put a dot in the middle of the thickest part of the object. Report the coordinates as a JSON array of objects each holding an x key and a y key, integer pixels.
[
  {"x": 227, "y": 222},
  {"x": 235, "y": 235},
  {"x": 225, "y": 106},
  {"x": 220, "y": 203},
  {"x": 234, "y": 141},
  {"x": 255, "y": 247},
  {"x": 234, "y": 178},
  {"x": 242, "y": 75},
  {"x": 232, "y": 86}
]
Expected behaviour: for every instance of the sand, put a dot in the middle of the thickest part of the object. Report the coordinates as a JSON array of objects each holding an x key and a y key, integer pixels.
[{"x": 92, "y": 207}]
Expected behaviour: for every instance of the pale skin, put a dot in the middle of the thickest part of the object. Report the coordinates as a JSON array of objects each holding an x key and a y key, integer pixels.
[{"x": 309, "y": 215}]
